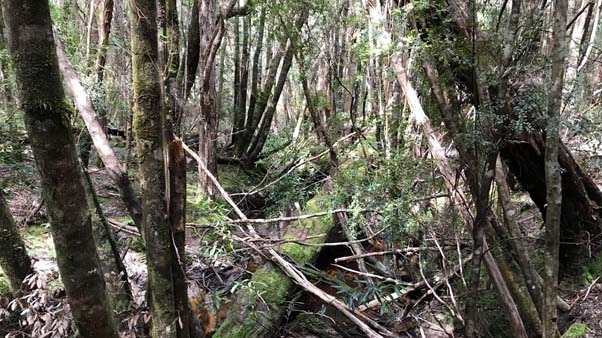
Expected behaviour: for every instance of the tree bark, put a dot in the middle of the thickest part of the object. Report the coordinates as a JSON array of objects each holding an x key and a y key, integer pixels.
[
  {"x": 246, "y": 124},
  {"x": 177, "y": 220},
  {"x": 267, "y": 106},
  {"x": 148, "y": 124},
  {"x": 104, "y": 30},
  {"x": 14, "y": 260},
  {"x": 47, "y": 113},
  {"x": 552, "y": 172},
  {"x": 211, "y": 38}
]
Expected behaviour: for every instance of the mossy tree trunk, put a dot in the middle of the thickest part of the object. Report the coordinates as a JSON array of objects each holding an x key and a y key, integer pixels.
[
  {"x": 14, "y": 260},
  {"x": 148, "y": 124},
  {"x": 47, "y": 116}
]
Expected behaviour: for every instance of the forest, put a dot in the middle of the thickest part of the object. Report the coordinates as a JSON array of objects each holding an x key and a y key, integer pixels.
[{"x": 300, "y": 168}]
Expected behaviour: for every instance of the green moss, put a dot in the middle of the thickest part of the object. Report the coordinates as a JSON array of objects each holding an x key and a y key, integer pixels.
[
  {"x": 303, "y": 254},
  {"x": 264, "y": 295},
  {"x": 234, "y": 179},
  {"x": 271, "y": 284},
  {"x": 576, "y": 330},
  {"x": 39, "y": 240}
]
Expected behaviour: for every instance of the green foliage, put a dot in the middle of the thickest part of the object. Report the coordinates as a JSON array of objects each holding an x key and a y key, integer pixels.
[
  {"x": 39, "y": 240},
  {"x": 364, "y": 291},
  {"x": 576, "y": 330},
  {"x": 65, "y": 19},
  {"x": 592, "y": 270},
  {"x": 386, "y": 186},
  {"x": 296, "y": 186},
  {"x": 214, "y": 229}
]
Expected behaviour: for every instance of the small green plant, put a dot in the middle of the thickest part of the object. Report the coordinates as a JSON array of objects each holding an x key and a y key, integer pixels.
[
  {"x": 576, "y": 330},
  {"x": 592, "y": 270}
]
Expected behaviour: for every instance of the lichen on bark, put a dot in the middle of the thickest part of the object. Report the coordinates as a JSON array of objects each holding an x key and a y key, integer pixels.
[{"x": 148, "y": 121}]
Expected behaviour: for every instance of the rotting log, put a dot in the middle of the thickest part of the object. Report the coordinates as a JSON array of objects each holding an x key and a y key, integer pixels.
[
  {"x": 364, "y": 323},
  {"x": 259, "y": 306}
]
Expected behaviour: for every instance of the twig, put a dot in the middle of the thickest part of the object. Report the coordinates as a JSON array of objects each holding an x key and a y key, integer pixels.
[
  {"x": 293, "y": 218},
  {"x": 371, "y": 275},
  {"x": 450, "y": 289},
  {"x": 125, "y": 228},
  {"x": 364, "y": 255},
  {"x": 341, "y": 243},
  {"x": 589, "y": 289},
  {"x": 34, "y": 210}
]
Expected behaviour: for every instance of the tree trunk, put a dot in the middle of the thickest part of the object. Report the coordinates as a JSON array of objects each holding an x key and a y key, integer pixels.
[
  {"x": 246, "y": 123},
  {"x": 14, "y": 260},
  {"x": 519, "y": 249},
  {"x": 97, "y": 133},
  {"x": 211, "y": 37},
  {"x": 148, "y": 123},
  {"x": 170, "y": 45},
  {"x": 33, "y": 55},
  {"x": 104, "y": 30},
  {"x": 524, "y": 153},
  {"x": 177, "y": 220},
  {"x": 552, "y": 172},
  {"x": 267, "y": 107},
  {"x": 458, "y": 198}
]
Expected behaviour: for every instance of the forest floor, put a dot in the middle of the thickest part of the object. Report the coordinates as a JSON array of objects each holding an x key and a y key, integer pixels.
[{"x": 212, "y": 275}]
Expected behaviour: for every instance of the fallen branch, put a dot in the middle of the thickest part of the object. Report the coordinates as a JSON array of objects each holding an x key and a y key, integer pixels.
[
  {"x": 33, "y": 211},
  {"x": 292, "y": 218},
  {"x": 371, "y": 275},
  {"x": 291, "y": 270},
  {"x": 83, "y": 103}
]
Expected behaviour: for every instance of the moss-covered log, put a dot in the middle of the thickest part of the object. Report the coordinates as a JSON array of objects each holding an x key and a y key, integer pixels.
[
  {"x": 148, "y": 122},
  {"x": 259, "y": 306},
  {"x": 47, "y": 117},
  {"x": 14, "y": 260}
]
